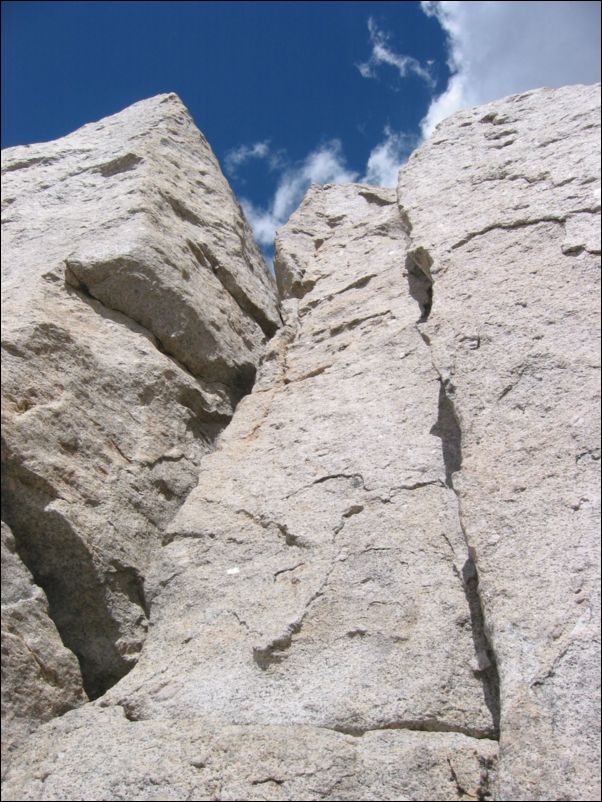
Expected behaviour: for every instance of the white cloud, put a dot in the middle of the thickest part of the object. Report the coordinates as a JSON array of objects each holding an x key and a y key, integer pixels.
[
  {"x": 387, "y": 157},
  {"x": 500, "y": 48},
  {"x": 236, "y": 157},
  {"x": 382, "y": 54},
  {"x": 326, "y": 165}
]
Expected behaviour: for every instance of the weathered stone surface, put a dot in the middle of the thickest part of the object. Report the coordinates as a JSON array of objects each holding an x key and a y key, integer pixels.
[
  {"x": 349, "y": 567},
  {"x": 40, "y": 677},
  {"x": 317, "y": 577},
  {"x": 135, "y": 310},
  {"x": 503, "y": 204},
  {"x": 174, "y": 760},
  {"x": 388, "y": 560}
]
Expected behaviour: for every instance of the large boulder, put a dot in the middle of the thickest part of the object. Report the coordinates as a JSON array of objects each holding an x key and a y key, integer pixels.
[{"x": 135, "y": 310}]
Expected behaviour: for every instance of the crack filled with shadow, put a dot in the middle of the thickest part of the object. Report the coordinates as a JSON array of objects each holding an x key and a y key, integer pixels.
[
  {"x": 418, "y": 270},
  {"x": 485, "y": 663},
  {"x": 448, "y": 429}
]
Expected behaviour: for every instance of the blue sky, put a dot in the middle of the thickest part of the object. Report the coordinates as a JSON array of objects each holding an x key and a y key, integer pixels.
[{"x": 287, "y": 93}]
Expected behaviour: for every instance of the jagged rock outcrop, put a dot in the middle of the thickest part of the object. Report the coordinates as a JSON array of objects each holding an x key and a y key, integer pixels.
[
  {"x": 389, "y": 561},
  {"x": 135, "y": 310}
]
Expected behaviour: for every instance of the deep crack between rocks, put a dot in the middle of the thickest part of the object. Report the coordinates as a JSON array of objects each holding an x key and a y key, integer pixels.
[
  {"x": 418, "y": 271},
  {"x": 76, "y": 593},
  {"x": 447, "y": 428}
]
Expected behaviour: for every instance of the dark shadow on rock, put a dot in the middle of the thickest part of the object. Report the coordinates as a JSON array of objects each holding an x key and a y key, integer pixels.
[
  {"x": 448, "y": 430},
  {"x": 486, "y": 668},
  {"x": 420, "y": 282},
  {"x": 77, "y": 589}
]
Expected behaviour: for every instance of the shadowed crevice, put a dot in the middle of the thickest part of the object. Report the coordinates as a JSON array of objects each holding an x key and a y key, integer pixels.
[
  {"x": 62, "y": 565},
  {"x": 485, "y": 662},
  {"x": 448, "y": 430},
  {"x": 418, "y": 271}
]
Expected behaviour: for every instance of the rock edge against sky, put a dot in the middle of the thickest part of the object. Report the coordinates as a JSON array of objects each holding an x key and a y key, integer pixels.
[{"x": 333, "y": 536}]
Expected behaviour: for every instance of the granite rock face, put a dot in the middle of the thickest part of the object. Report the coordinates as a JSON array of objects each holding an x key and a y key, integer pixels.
[
  {"x": 135, "y": 310},
  {"x": 503, "y": 206},
  {"x": 40, "y": 677},
  {"x": 383, "y": 584}
]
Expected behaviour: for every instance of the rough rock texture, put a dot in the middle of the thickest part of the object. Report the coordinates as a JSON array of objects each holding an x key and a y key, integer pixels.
[
  {"x": 40, "y": 677},
  {"x": 135, "y": 310},
  {"x": 317, "y": 578},
  {"x": 503, "y": 204},
  {"x": 110, "y": 757},
  {"x": 389, "y": 562}
]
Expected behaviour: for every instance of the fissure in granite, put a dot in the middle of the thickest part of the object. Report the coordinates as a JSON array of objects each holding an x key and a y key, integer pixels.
[{"x": 447, "y": 428}]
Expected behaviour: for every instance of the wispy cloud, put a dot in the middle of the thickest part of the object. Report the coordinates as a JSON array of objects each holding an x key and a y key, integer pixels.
[
  {"x": 325, "y": 165},
  {"x": 387, "y": 157},
  {"x": 500, "y": 48},
  {"x": 239, "y": 156},
  {"x": 382, "y": 53}
]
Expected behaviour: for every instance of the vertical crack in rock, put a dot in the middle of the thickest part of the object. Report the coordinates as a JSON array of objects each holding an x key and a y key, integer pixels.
[
  {"x": 484, "y": 663},
  {"x": 418, "y": 269},
  {"x": 447, "y": 429}
]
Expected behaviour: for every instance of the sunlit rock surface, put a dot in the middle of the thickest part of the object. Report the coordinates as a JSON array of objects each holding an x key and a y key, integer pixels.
[{"x": 379, "y": 580}]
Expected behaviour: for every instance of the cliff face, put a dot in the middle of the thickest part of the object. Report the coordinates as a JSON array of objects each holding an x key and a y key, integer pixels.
[
  {"x": 135, "y": 310},
  {"x": 383, "y": 585}
]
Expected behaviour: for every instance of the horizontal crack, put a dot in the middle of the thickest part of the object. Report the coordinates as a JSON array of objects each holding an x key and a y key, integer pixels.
[
  {"x": 352, "y": 324},
  {"x": 521, "y": 224},
  {"x": 417, "y": 486},
  {"x": 312, "y": 374},
  {"x": 289, "y": 538},
  {"x": 331, "y": 476},
  {"x": 415, "y": 725}
]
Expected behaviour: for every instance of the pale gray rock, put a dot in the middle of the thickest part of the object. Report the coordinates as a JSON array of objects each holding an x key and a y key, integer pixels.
[
  {"x": 314, "y": 604},
  {"x": 187, "y": 759},
  {"x": 351, "y": 565},
  {"x": 503, "y": 206},
  {"x": 40, "y": 677},
  {"x": 387, "y": 562},
  {"x": 136, "y": 307}
]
